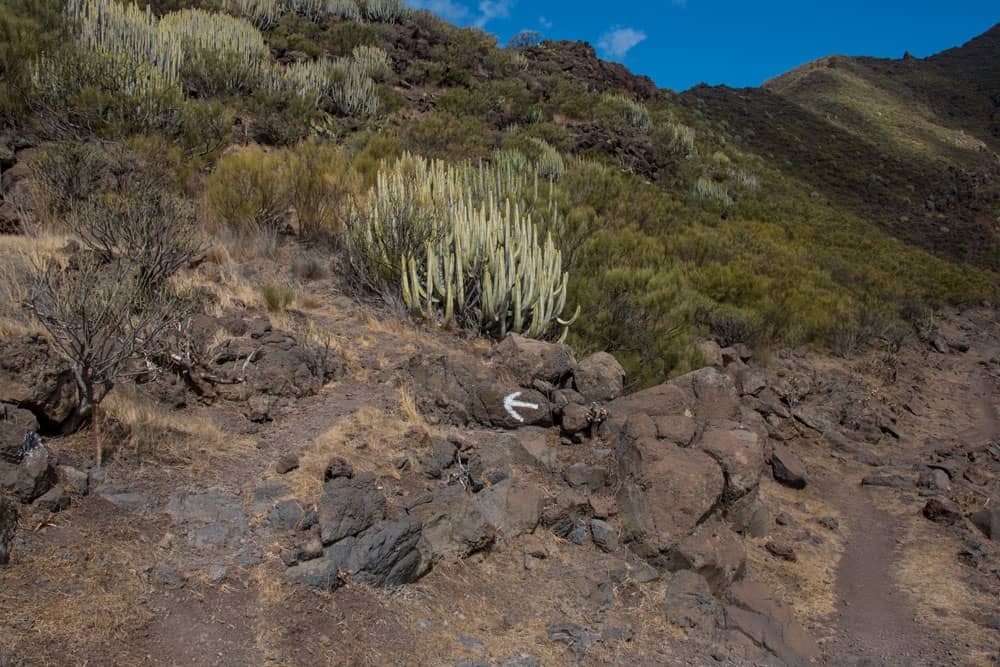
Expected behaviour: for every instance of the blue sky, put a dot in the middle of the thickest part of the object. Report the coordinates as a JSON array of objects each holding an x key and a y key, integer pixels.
[{"x": 680, "y": 43}]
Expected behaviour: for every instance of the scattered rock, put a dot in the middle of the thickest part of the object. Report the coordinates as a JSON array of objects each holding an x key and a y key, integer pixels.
[
  {"x": 942, "y": 510},
  {"x": 689, "y": 602},
  {"x": 14, "y": 423},
  {"x": 75, "y": 480},
  {"x": 665, "y": 491},
  {"x": 828, "y": 522},
  {"x": 349, "y": 506},
  {"x": 603, "y": 505},
  {"x": 760, "y": 521},
  {"x": 782, "y": 550},
  {"x": 782, "y": 519},
  {"x": 168, "y": 577},
  {"x": 286, "y": 464},
  {"x": 768, "y": 623},
  {"x": 713, "y": 551},
  {"x": 33, "y": 476},
  {"x": 54, "y": 500},
  {"x": 575, "y": 418},
  {"x": 33, "y": 377},
  {"x": 217, "y": 574},
  {"x": 576, "y": 637},
  {"x": 678, "y": 429},
  {"x": 643, "y": 573},
  {"x": 712, "y": 352},
  {"x": 529, "y": 407},
  {"x": 605, "y": 535},
  {"x": 338, "y": 467},
  {"x": 599, "y": 378},
  {"x": 528, "y": 359},
  {"x": 129, "y": 501},
  {"x": 740, "y": 455},
  {"x": 312, "y": 549},
  {"x": 8, "y": 526},
  {"x": 286, "y": 515},
  {"x": 934, "y": 479},
  {"x": 893, "y": 481},
  {"x": 788, "y": 468},
  {"x": 212, "y": 517},
  {"x": 988, "y": 521},
  {"x": 584, "y": 475},
  {"x": 538, "y": 447}
]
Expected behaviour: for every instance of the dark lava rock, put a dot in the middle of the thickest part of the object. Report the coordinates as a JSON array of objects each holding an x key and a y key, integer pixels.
[
  {"x": 788, "y": 468},
  {"x": 578, "y": 638},
  {"x": 337, "y": 467},
  {"x": 605, "y": 535},
  {"x": 583, "y": 475},
  {"x": 528, "y": 359},
  {"x": 782, "y": 550},
  {"x": 349, "y": 506},
  {"x": 33, "y": 476},
  {"x": 54, "y": 500},
  {"x": 599, "y": 378},
  {"x": 286, "y": 464},
  {"x": 988, "y": 521},
  {"x": 942, "y": 510},
  {"x": 689, "y": 601},
  {"x": 893, "y": 481}
]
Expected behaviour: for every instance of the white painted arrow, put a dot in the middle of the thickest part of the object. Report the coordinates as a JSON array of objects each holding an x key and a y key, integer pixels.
[{"x": 511, "y": 402}]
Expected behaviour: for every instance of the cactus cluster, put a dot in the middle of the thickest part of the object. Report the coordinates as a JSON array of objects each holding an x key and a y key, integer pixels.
[
  {"x": 680, "y": 139},
  {"x": 262, "y": 13},
  {"x": 383, "y": 11},
  {"x": 345, "y": 9},
  {"x": 126, "y": 33},
  {"x": 712, "y": 190},
  {"x": 373, "y": 61},
  {"x": 632, "y": 112},
  {"x": 454, "y": 240},
  {"x": 204, "y": 35}
]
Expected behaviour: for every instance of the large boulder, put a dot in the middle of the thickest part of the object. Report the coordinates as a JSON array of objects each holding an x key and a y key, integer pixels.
[
  {"x": 713, "y": 551},
  {"x": 689, "y": 602},
  {"x": 8, "y": 525},
  {"x": 14, "y": 424},
  {"x": 788, "y": 468},
  {"x": 738, "y": 452},
  {"x": 383, "y": 555},
  {"x": 33, "y": 476},
  {"x": 454, "y": 526},
  {"x": 755, "y": 612},
  {"x": 665, "y": 491},
  {"x": 35, "y": 378},
  {"x": 528, "y": 360},
  {"x": 988, "y": 521},
  {"x": 349, "y": 506},
  {"x": 507, "y": 406},
  {"x": 599, "y": 378}
]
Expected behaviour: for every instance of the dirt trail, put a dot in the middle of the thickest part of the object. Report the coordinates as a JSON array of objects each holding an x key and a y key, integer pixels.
[{"x": 876, "y": 621}]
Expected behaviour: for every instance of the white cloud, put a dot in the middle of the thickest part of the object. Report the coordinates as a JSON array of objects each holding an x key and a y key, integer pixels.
[
  {"x": 544, "y": 22},
  {"x": 617, "y": 42},
  {"x": 446, "y": 9},
  {"x": 492, "y": 9}
]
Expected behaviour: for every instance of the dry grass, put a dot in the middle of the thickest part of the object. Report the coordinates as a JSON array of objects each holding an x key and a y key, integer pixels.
[
  {"x": 19, "y": 257},
  {"x": 809, "y": 583},
  {"x": 932, "y": 576},
  {"x": 159, "y": 433},
  {"x": 370, "y": 439}
]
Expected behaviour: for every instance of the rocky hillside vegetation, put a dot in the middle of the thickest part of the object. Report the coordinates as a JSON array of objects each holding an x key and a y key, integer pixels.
[{"x": 332, "y": 333}]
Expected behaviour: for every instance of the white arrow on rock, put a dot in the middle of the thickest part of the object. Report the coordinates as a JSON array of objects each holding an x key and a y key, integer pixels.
[{"x": 510, "y": 402}]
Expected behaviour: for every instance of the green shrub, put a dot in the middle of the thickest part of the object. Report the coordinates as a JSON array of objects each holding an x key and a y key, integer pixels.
[
  {"x": 276, "y": 297},
  {"x": 444, "y": 135},
  {"x": 28, "y": 28},
  {"x": 247, "y": 190},
  {"x": 322, "y": 187}
]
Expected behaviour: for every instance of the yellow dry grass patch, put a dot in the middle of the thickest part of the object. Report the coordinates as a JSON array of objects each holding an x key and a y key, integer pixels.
[
  {"x": 369, "y": 438},
  {"x": 83, "y": 598},
  {"x": 20, "y": 256},
  {"x": 809, "y": 584},
  {"x": 158, "y": 432},
  {"x": 929, "y": 572}
]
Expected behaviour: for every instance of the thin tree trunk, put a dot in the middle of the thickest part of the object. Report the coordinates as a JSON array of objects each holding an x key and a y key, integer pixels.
[{"x": 97, "y": 436}]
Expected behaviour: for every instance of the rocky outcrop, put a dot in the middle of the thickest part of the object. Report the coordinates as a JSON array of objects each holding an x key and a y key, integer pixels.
[
  {"x": 8, "y": 526},
  {"x": 33, "y": 377},
  {"x": 755, "y": 612}
]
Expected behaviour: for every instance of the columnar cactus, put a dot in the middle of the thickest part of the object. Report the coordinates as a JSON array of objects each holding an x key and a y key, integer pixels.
[
  {"x": 455, "y": 242},
  {"x": 634, "y": 113}
]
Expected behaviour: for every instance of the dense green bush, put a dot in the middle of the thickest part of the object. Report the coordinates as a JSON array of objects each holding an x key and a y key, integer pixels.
[
  {"x": 247, "y": 190},
  {"x": 322, "y": 186}
]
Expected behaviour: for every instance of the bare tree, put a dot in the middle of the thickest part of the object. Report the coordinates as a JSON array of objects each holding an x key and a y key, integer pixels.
[
  {"x": 155, "y": 232},
  {"x": 100, "y": 318}
]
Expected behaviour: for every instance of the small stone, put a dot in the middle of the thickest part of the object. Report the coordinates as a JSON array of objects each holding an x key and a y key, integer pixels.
[
  {"x": 782, "y": 519},
  {"x": 75, "y": 480},
  {"x": 290, "y": 557},
  {"x": 782, "y": 550},
  {"x": 605, "y": 535},
  {"x": 217, "y": 574},
  {"x": 643, "y": 573},
  {"x": 575, "y": 418},
  {"x": 97, "y": 477},
  {"x": 942, "y": 510},
  {"x": 988, "y": 521},
  {"x": 788, "y": 468},
  {"x": 892, "y": 481},
  {"x": 54, "y": 500},
  {"x": 312, "y": 549},
  {"x": 603, "y": 505},
  {"x": 583, "y": 475},
  {"x": 286, "y": 464},
  {"x": 993, "y": 623},
  {"x": 168, "y": 577},
  {"x": 579, "y": 533},
  {"x": 760, "y": 521},
  {"x": 828, "y": 522},
  {"x": 338, "y": 467}
]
